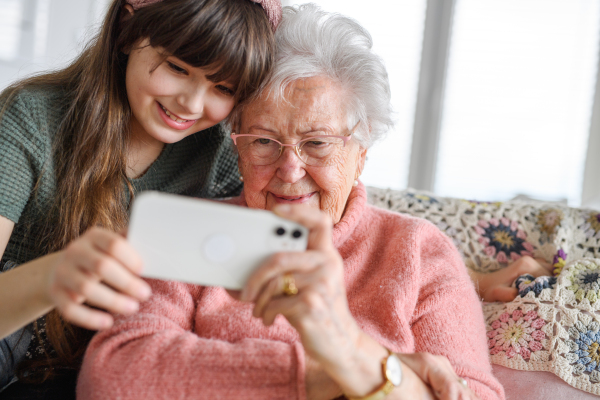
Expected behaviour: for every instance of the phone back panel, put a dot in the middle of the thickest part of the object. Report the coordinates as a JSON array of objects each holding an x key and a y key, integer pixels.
[{"x": 206, "y": 242}]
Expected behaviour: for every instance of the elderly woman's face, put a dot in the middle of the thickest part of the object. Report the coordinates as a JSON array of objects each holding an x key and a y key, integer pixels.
[{"x": 314, "y": 107}]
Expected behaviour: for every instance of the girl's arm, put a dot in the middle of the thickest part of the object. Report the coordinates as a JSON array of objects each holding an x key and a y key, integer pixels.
[
  {"x": 22, "y": 298},
  {"x": 98, "y": 268}
]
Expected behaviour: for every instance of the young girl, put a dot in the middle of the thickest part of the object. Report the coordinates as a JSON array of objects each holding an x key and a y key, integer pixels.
[{"x": 76, "y": 145}]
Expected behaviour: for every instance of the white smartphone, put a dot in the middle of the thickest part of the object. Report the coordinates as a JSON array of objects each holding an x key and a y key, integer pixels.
[{"x": 207, "y": 242}]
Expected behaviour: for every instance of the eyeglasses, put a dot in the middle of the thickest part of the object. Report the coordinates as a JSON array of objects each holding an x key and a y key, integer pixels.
[{"x": 318, "y": 151}]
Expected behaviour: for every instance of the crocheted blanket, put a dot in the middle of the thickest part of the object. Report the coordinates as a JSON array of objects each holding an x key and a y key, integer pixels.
[{"x": 554, "y": 323}]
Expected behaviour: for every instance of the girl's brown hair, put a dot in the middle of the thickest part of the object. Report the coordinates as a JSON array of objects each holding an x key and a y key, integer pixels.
[{"x": 231, "y": 37}]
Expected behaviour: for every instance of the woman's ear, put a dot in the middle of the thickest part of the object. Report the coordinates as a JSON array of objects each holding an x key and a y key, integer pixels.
[{"x": 360, "y": 162}]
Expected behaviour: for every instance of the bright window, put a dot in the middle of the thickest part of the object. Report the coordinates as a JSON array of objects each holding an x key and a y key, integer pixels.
[
  {"x": 11, "y": 18},
  {"x": 518, "y": 102}
]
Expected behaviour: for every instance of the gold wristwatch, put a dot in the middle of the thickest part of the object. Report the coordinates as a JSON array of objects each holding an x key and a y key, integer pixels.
[{"x": 392, "y": 375}]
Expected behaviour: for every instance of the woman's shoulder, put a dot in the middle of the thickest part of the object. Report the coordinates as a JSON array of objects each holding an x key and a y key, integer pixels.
[
  {"x": 399, "y": 222},
  {"x": 417, "y": 236}
]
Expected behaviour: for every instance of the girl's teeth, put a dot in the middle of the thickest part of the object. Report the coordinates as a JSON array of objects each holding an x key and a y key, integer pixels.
[{"x": 172, "y": 117}]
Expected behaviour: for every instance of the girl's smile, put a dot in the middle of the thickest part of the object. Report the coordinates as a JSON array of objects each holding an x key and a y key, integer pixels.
[
  {"x": 173, "y": 120},
  {"x": 170, "y": 99}
]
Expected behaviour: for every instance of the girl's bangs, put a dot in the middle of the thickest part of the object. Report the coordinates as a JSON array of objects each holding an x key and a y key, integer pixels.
[{"x": 231, "y": 39}]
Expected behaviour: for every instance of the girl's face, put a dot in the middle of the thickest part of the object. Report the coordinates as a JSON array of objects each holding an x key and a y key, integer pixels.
[{"x": 173, "y": 100}]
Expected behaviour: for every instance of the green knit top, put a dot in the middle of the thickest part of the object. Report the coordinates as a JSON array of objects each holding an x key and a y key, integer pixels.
[{"x": 201, "y": 165}]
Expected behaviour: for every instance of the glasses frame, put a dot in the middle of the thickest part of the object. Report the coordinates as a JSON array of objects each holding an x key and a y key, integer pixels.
[{"x": 296, "y": 145}]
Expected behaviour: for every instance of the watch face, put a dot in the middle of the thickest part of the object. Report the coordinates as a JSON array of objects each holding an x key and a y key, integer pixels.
[{"x": 393, "y": 369}]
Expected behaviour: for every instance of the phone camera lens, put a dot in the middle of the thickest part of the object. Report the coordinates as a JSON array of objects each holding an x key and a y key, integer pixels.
[
  {"x": 280, "y": 231},
  {"x": 297, "y": 233}
]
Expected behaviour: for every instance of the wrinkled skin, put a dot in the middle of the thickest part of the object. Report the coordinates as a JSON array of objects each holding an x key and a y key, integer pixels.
[{"x": 314, "y": 106}]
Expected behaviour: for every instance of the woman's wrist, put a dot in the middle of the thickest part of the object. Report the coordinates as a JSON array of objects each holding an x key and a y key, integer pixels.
[{"x": 360, "y": 373}]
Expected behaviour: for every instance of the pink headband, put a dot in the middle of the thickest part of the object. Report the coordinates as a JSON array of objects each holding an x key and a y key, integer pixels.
[{"x": 271, "y": 7}]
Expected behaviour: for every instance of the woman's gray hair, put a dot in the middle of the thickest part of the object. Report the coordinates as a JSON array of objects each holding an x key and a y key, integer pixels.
[{"x": 311, "y": 42}]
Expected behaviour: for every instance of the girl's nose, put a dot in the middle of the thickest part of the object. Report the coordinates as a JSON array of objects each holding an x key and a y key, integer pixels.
[{"x": 193, "y": 99}]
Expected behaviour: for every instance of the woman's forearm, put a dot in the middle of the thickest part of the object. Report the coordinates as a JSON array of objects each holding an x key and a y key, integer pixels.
[
  {"x": 364, "y": 374},
  {"x": 24, "y": 295}
]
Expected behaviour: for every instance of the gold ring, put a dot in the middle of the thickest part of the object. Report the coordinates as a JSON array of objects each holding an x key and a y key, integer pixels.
[
  {"x": 463, "y": 382},
  {"x": 289, "y": 285}
]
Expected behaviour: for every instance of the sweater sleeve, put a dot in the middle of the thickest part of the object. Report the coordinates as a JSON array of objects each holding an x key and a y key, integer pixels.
[
  {"x": 154, "y": 354},
  {"x": 19, "y": 152},
  {"x": 448, "y": 319}
]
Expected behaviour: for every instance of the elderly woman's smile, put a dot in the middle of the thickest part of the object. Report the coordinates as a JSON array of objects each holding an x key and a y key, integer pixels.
[{"x": 321, "y": 173}]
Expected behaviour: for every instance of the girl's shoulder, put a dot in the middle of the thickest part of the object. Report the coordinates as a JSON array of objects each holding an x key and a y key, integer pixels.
[{"x": 32, "y": 114}]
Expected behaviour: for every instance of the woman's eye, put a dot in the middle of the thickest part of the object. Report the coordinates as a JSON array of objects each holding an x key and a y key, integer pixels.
[
  {"x": 176, "y": 68},
  {"x": 316, "y": 143},
  {"x": 263, "y": 141},
  {"x": 225, "y": 90}
]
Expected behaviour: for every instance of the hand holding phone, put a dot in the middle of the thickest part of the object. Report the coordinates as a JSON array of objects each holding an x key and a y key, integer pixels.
[{"x": 207, "y": 242}]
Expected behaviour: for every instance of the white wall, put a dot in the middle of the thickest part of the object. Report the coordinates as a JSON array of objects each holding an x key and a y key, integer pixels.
[{"x": 52, "y": 33}]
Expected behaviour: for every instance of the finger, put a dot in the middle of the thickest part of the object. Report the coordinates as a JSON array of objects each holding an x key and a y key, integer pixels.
[
  {"x": 273, "y": 288},
  {"x": 437, "y": 372},
  {"x": 234, "y": 293},
  {"x": 110, "y": 271},
  {"x": 280, "y": 264},
  {"x": 545, "y": 264},
  {"x": 99, "y": 295},
  {"x": 318, "y": 223},
  {"x": 501, "y": 293},
  {"x": 118, "y": 247},
  {"x": 293, "y": 308},
  {"x": 81, "y": 315}
]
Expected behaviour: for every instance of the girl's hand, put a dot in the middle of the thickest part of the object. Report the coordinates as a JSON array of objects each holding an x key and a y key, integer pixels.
[
  {"x": 101, "y": 269},
  {"x": 497, "y": 286}
]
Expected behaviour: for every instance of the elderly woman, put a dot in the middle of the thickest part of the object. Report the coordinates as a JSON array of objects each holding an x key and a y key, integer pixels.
[{"x": 371, "y": 285}]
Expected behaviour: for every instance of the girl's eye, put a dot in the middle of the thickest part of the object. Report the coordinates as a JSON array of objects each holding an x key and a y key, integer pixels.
[
  {"x": 176, "y": 68},
  {"x": 225, "y": 90}
]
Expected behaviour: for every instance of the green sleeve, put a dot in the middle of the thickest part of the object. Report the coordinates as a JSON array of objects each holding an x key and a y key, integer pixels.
[{"x": 20, "y": 153}]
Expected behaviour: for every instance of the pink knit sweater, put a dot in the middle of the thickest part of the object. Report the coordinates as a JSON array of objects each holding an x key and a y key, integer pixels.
[{"x": 407, "y": 287}]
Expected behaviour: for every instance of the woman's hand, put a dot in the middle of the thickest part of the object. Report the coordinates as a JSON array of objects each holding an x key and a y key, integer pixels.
[
  {"x": 319, "y": 311},
  {"x": 101, "y": 269},
  {"x": 437, "y": 372},
  {"x": 497, "y": 286}
]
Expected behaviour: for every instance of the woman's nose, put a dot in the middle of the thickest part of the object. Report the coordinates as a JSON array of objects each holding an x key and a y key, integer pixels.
[{"x": 290, "y": 168}]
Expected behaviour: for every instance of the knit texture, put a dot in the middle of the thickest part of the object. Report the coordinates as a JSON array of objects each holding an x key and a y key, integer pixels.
[
  {"x": 201, "y": 165},
  {"x": 407, "y": 288}
]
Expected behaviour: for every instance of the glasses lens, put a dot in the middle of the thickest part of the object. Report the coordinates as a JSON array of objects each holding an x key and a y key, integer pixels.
[
  {"x": 320, "y": 150},
  {"x": 258, "y": 150}
]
